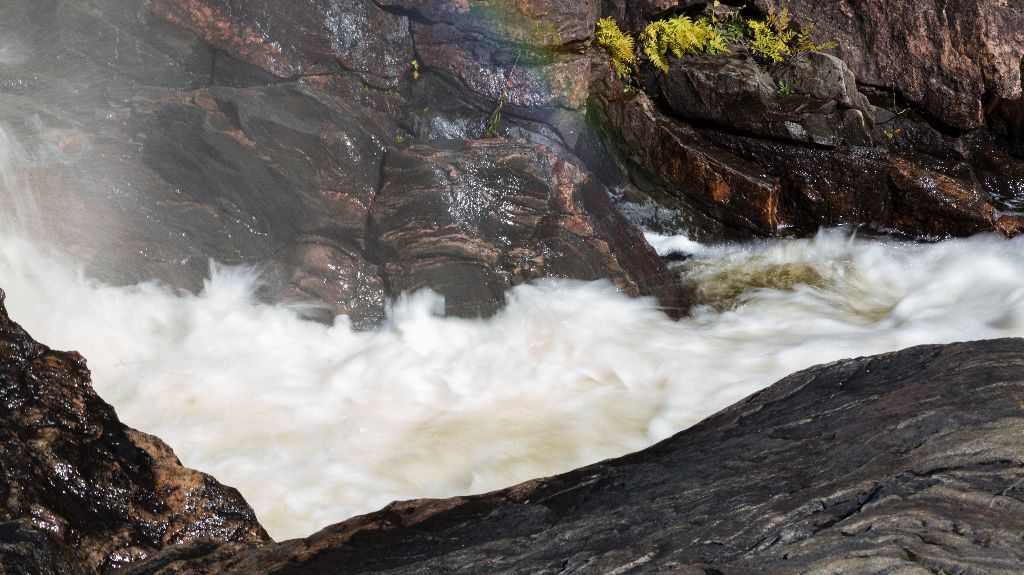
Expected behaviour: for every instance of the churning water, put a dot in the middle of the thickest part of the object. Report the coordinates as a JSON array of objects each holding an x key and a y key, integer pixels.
[{"x": 315, "y": 423}]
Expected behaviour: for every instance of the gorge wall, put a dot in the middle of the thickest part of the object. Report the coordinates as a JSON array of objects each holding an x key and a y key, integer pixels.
[{"x": 358, "y": 150}]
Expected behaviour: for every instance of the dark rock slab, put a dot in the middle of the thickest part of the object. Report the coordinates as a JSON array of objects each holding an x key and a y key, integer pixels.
[
  {"x": 950, "y": 58},
  {"x": 472, "y": 220},
  {"x": 78, "y": 487},
  {"x": 908, "y": 462},
  {"x": 735, "y": 93},
  {"x": 902, "y": 191}
]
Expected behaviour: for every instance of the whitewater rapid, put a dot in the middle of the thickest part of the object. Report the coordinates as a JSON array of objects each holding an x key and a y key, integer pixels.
[{"x": 315, "y": 423}]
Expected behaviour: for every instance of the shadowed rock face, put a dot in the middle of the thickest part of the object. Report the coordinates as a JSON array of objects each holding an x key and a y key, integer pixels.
[
  {"x": 78, "y": 487},
  {"x": 904, "y": 462}
]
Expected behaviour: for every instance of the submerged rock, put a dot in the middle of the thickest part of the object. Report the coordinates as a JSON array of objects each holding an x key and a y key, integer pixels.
[
  {"x": 903, "y": 462},
  {"x": 79, "y": 491}
]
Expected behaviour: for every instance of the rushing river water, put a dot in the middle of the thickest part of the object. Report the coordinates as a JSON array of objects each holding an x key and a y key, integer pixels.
[{"x": 315, "y": 423}]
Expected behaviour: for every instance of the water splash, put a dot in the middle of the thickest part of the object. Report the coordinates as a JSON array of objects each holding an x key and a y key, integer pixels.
[{"x": 315, "y": 423}]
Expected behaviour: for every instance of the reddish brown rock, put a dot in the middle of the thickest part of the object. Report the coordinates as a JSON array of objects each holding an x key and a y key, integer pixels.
[
  {"x": 934, "y": 204},
  {"x": 950, "y": 58},
  {"x": 471, "y": 221},
  {"x": 721, "y": 185}
]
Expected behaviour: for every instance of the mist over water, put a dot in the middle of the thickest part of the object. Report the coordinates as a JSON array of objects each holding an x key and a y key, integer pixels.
[{"x": 315, "y": 423}]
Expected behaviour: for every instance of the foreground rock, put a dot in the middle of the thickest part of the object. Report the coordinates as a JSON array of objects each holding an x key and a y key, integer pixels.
[
  {"x": 79, "y": 491},
  {"x": 909, "y": 462}
]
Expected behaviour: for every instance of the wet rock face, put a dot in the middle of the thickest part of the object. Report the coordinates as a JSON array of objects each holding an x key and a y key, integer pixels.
[
  {"x": 472, "y": 220},
  {"x": 78, "y": 487},
  {"x": 727, "y": 188},
  {"x": 527, "y": 22},
  {"x": 26, "y": 550},
  {"x": 901, "y": 462},
  {"x": 952, "y": 59},
  {"x": 255, "y": 133},
  {"x": 728, "y": 143},
  {"x": 301, "y": 38}
]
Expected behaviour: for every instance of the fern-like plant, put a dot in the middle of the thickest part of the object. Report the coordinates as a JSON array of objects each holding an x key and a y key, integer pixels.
[
  {"x": 680, "y": 36},
  {"x": 771, "y": 37},
  {"x": 618, "y": 44}
]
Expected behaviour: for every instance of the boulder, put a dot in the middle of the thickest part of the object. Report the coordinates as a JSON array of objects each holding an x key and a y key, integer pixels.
[
  {"x": 734, "y": 92},
  {"x": 906, "y": 462},
  {"x": 824, "y": 77},
  {"x": 78, "y": 488}
]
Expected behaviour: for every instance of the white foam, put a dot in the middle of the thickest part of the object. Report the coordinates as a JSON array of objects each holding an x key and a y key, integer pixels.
[{"x": 315, "y": 423}]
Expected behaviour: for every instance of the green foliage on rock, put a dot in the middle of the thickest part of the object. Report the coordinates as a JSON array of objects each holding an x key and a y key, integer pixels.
[
  {"x": 680, "y": 36},
  {"x": 618, "y": 44},
  {"x": 771, "y": 39}
]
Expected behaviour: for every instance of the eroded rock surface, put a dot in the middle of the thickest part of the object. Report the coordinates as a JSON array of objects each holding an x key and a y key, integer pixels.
[
  {"x": 906, "y": 462},
  {"x": 79, "y": 491}
]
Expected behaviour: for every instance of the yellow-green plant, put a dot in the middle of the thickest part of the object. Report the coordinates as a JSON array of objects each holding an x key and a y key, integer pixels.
[
  {"x": 770, "y": 38},
  {"x": 618, "y": 44},
  {"x": 680, "y": 36}
]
